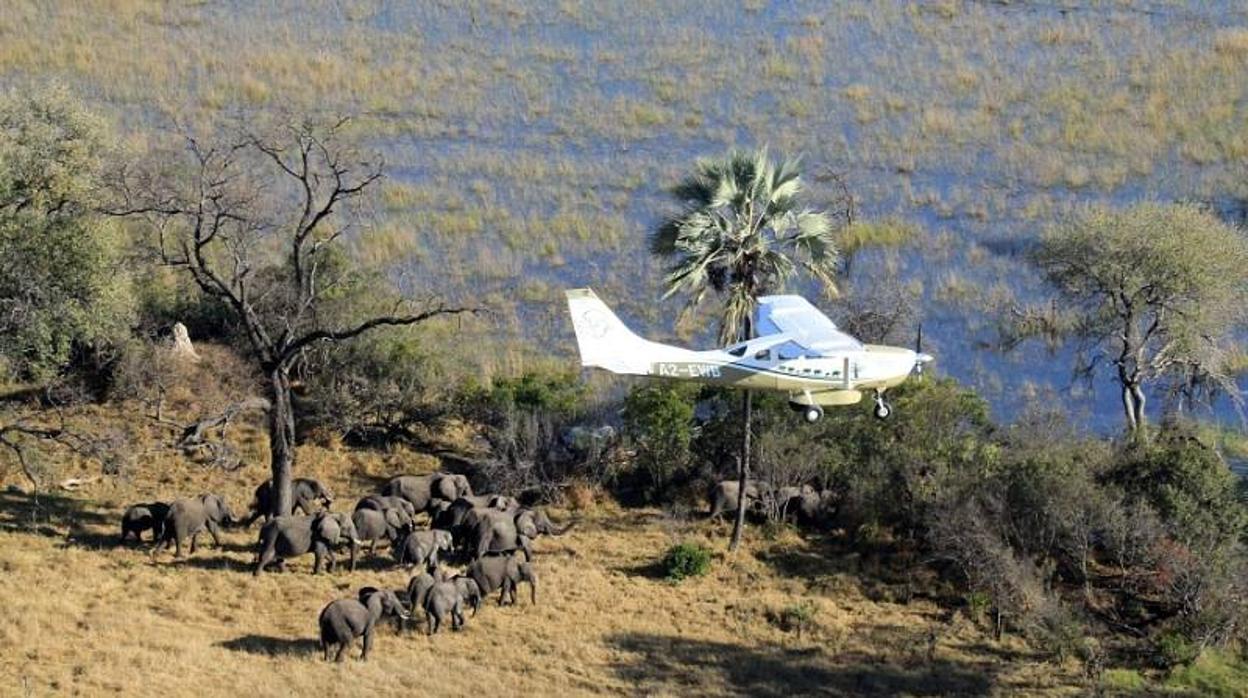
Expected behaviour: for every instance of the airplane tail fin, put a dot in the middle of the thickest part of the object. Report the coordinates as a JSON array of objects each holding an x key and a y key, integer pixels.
[{"x": 604, "y": 341}]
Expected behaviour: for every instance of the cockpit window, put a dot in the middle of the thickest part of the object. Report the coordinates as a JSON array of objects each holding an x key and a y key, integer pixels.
[
  {"x": 764, "y": 355},
  {"x": 739, "y": 351}
]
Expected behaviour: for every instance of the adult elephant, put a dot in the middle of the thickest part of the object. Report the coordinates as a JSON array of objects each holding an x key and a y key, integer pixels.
[
  {"x": 724, "y": 495},
  {"x": 461, "y": 516},
  {"x": 385, "y": 503},
  {"x": 814, "y": 509},
  {"x": 290, "y": 536},
  {"x": 373, "y": 525},
  {"x": 305, "y": 492},
  {"x": 495, "y": 531},
  {"x": 503, "y": 572},
  {"x": 346, "y": 619},
  {"x": 187, "y": 518},
  {"x": 424, "y": 490},
  {"x": 534, "y": 523}
]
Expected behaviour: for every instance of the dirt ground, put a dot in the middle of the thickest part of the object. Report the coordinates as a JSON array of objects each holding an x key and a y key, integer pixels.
[{"x": 84, "y": 615}]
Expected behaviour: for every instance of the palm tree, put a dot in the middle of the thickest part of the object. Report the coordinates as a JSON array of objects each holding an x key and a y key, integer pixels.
[{"x": 740, "y": 234}]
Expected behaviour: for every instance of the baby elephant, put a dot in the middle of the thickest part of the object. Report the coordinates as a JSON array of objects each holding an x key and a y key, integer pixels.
[
  {"x": 468, "y": 591},
  {"x": 421, "y": 547},
  {"x": 346, "y": 619},
  {"x": 144, "y": 517},
  {"x": 447, "y": 598}
]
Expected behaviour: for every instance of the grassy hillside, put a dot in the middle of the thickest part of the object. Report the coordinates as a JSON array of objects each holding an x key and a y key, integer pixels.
[{"x": 94, "y": 617}]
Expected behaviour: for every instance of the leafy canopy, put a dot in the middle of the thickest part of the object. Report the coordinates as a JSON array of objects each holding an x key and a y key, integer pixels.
[
  {"x": 1157, "y": 291},
  {"x": 742, "y": 232},
  {"x": 61, "y": 281}
]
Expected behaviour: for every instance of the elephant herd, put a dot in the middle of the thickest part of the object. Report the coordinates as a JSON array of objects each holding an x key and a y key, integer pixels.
[
  {"x": 804, "y": 504},
  {"x": 491, "y": 534}
]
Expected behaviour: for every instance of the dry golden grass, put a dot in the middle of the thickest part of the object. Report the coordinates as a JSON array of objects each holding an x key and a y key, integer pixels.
[{"x": 85, "y": 615}]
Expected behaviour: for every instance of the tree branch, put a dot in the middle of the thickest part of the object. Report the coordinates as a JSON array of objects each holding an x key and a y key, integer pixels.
[{"x": 387, "y": 320}]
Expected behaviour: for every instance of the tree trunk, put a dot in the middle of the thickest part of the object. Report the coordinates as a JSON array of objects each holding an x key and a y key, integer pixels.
[
  {"x": 743, "y": 471},
  {"x": 281, "y": 440},
  {"x": 1128, "y": 408},
  {"x": 1137, "y": 392}
]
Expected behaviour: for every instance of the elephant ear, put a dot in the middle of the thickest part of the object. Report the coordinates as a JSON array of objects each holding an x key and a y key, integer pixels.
[
  {"x": 446, "y": 487},
  {"x": 212, "y": 506},
  {"x": 329, "y": 529},
  {"x": 394, "y": 518},
  {"x": 462, "y": 487}
]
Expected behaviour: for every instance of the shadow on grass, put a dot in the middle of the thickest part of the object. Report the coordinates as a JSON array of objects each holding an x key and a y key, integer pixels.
[
  {"x": 650, "y": 570},
  {"x": 882, "y": 572},
  {"x": 669, "y": 664},
  {"x": 43, "y": 514},
  {"x": 272, "y": 646},
  {"x": 201, "y": 561}
]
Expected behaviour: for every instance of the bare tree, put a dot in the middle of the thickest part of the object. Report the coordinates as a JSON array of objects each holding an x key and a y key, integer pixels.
[{"x": 257, "y": 220}]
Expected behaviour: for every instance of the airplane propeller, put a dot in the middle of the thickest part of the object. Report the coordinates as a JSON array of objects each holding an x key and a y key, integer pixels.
[{"x": 920, "y": 358}]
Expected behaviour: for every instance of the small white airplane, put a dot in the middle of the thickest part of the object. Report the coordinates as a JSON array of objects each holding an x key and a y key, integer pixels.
[{"x": 799, "y": 351}]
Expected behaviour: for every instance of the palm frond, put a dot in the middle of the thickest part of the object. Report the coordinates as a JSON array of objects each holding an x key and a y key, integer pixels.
[{"x": 741, "y": 235}]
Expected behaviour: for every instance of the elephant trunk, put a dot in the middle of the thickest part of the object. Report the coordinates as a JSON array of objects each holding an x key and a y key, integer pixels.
[{"x": 560, "y": 531}]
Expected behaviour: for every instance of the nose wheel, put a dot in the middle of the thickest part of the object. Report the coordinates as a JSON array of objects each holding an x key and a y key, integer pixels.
[{"x": 882, "y": 409}]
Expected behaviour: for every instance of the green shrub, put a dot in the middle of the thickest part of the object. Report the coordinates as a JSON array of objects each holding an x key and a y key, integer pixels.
[
  {"x": 686, "y": 560},
  {"x": 977, "y": 605},
  {"x": 1123, "y": 680},
  {"x": 658, "y": 422},
  {"x": 1213, "y": 673},
  {"x": 796, "y": 617},
  {"x": 1173, "y": 649}
]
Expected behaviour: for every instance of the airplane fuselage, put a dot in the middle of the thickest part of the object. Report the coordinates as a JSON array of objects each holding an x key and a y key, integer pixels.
[
  {"x": 876, "y": 367},
  {"x": 801, "y": 353}
]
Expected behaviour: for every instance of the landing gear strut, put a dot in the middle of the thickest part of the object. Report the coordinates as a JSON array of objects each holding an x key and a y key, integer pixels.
[
  {"x": 882, "y": 409},
  {"x": 812, "y": 414}
]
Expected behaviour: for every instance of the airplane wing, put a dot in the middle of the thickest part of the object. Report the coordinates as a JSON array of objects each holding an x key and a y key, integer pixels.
[{"x": 803, "y": 323}]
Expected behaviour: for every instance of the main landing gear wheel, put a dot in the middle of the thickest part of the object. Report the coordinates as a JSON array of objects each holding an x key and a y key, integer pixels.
[
  {"x": 812, "y": 413},
  {"x": 882, "y": 409}
]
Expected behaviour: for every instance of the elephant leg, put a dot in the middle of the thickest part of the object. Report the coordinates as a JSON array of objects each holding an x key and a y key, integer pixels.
[
  {"x": 316, "y": 562},
  {"x": 194, "y": 539},
  {"x": 325, "y": 648},
  {"x": 215, "y": 532},
  {"x": 266, "y": 556},
  {"x": 431, "y": 623},
  {"x": 342, "y": 649},
  {"x": 457, "y": 618},
  {"x": 368, "y": 644},
  {"x": 177, "y": 545}
]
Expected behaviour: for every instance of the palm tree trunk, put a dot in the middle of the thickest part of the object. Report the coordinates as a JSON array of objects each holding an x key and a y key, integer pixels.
[{"x": 743, "y": 471}]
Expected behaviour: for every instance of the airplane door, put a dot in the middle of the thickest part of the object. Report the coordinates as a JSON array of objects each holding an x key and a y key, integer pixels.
[{"x": 767, "y": 376}]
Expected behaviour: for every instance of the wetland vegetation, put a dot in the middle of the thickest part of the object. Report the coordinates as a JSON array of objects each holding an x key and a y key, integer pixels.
[{"x": 1005, "y": 532}]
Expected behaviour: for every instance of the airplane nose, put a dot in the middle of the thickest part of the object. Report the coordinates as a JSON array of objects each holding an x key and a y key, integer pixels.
[{"x": 919, "y": 360}]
